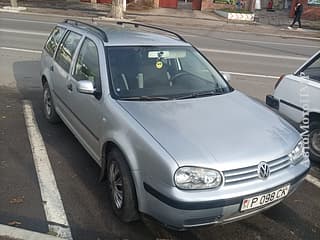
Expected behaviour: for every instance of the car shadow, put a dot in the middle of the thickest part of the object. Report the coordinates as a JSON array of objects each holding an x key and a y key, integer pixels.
[
  {"x": 285, "y": 216},
  {"x": 85, "y": 199}
]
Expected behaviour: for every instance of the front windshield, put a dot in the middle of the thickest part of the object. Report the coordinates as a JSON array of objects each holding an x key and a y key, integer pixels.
[{"x": 162, "y": 72}]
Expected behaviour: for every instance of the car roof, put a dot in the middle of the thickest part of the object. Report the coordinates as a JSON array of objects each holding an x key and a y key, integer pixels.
[
  {"x": 121, "y": 35},
  {"x": 133, "y": 36}
]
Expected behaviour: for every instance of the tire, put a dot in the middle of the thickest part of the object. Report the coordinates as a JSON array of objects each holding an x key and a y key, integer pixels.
[
  {"x": 121, "y": 189},
  {"x": 48, "y": 105},
  {"x": 315, "y": 141}
]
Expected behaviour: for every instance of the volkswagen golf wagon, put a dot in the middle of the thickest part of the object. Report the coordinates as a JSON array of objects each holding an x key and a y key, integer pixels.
[{"x": 173, "y": 139}]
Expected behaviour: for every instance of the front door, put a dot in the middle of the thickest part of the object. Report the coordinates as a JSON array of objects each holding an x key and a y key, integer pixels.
[{"x": 86, "y": 108}]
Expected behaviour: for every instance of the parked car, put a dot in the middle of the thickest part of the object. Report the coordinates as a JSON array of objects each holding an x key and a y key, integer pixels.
[
  {"x": 297, "y": 96},
  {"x": 174, "y": 140}
]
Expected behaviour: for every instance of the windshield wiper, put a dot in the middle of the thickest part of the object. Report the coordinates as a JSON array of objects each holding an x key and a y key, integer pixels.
[
  {"x": 144, "y": 98},
  {"x": 200, "y": 94}
]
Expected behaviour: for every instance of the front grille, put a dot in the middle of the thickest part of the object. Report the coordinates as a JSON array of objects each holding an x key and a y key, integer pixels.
[{"x": 246, "y": 174}]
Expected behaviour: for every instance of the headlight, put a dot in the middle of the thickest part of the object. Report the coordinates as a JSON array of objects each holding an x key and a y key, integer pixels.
[
  {"x": 297, "y": 153},
  {"x": 197, "y": 178}
]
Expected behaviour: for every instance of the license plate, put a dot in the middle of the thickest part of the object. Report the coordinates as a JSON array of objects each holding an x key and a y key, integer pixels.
[{"x": 264, "y": 199}]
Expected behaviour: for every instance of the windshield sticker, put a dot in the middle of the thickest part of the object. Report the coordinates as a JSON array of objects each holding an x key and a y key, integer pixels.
[{"x": 159, "y": 64}]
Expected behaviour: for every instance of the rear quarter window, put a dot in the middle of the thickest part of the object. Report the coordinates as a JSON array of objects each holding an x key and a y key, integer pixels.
[
  {"x": 54, "y": 39},
  {"x": 67, "y": 49}
]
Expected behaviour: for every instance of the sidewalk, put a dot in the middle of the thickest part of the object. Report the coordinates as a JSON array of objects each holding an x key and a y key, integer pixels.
[{"x": 269, "y": 23}]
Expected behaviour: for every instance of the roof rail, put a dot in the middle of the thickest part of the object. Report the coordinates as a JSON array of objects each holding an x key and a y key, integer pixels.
[
  {"x": 95, "y": 29},
  {"x": 152, "y": 27}
]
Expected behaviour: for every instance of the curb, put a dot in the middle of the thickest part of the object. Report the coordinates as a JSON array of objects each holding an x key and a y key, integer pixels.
[
  {"x": 13, "y": 9},
  {"x": 18, "y": 233}
]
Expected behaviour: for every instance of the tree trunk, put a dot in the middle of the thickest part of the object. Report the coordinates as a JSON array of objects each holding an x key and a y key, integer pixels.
[
  {"x": 117, "y": 9},
  {"x": 14, "y": 3}
]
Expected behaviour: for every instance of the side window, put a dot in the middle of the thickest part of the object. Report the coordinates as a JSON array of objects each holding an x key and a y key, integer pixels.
[
  {"x": 54, "y": 40},
  {"x": 66, "y": 50},
  {"x": 313, "y": 70},
  {"x": 87, "y": 66}
]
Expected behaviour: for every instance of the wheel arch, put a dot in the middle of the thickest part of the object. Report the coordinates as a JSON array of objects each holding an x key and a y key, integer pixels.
[
  {"x": 314, "y": 116},
  {"x": 43, "y": 80},
  {"x": 107, "y": 147}
]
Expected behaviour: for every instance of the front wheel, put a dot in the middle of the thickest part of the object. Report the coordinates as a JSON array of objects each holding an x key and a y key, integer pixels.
[
  {"x": 315, "y": 141},
  {"x": 120, "y": 187}
]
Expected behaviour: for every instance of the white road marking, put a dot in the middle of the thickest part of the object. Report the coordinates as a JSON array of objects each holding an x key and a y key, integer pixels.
[
  {"x": 311, "y": 179},
  {"x": 25, "y": 20},
  {"x": 20, "y": 50},
  {"x": 50, "y": 195},
  {"x": 273, "y": 43},
  {"x": 251, "y": 75},
  {"x": 232, "y": 73},
  {"x": 23, "y": 32},
  {"x": 252, "y": 54}
]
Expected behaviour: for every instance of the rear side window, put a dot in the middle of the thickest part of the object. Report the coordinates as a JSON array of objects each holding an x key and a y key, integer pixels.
[
  {"x": 87, "y": 66},
  {"x": 54, "y": 39},
  {"x": 313, "y": 69},
  {"x": 66, "y": 50}
]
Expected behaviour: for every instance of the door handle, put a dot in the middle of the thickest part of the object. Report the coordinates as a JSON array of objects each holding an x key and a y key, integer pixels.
[
  {"x": 69, "y": 86},
  {"x": 51, "y": 68}
]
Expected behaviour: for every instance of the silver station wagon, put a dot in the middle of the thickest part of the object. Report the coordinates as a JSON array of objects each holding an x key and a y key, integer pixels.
[{"x": 174, "y": 140}]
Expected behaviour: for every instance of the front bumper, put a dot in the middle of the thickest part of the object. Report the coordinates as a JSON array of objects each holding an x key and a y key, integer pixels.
[
  {"x": 272, "y": 102},
  {"x": 179, "y": 214}
]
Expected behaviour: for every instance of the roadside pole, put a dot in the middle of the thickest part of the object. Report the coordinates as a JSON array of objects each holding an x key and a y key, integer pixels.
[{"x": 14, "y": 3}]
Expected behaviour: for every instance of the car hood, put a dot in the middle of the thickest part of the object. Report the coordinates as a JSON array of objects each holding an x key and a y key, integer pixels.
[{"x": 219, "y": 132}]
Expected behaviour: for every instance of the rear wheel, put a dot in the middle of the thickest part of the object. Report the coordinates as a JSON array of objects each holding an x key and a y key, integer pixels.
[
  {"x": 121, "y": 188},
  {"x": 48, "y": 105},
  {"x": 315, "y": 141}
]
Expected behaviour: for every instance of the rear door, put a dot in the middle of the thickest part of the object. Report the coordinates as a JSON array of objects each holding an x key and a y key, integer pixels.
[{"x": 61, "y": 70}]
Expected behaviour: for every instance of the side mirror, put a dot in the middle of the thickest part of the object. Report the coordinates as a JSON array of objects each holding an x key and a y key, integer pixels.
[
  {"x": 226, "y": 76},
  {"x": 86, "y": 87}
]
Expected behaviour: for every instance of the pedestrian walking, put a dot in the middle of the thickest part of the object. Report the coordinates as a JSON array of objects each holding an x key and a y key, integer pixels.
[{"x": 298, "y": 9}]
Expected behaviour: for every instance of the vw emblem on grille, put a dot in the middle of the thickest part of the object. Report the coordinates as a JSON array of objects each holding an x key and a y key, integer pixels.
[{"x": 263, "y": 170}]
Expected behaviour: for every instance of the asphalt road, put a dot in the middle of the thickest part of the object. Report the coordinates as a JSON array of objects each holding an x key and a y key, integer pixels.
[{"x": 254, "y": 61}]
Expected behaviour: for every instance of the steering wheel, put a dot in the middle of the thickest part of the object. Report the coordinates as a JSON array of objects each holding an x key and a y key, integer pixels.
[{"x": 179, "y": 76}]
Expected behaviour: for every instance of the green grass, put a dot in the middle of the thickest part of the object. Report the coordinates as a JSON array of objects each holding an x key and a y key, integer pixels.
[{"x": 225, "y": 1}]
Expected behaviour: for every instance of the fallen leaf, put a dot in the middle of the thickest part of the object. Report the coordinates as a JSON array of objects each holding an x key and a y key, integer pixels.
[
  {"x": 52, "y": 233},
  {"x": 16, "y": 200},
  {"x": 14, "y": 223},
  {"x": 3, "y": 164}
]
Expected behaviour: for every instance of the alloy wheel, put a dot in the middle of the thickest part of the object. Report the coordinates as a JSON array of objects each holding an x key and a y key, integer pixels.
[
  {"x": 315, "y": 140},
  {"x": 47, "y": 102},
  {"x": 116, "y": 184}
]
